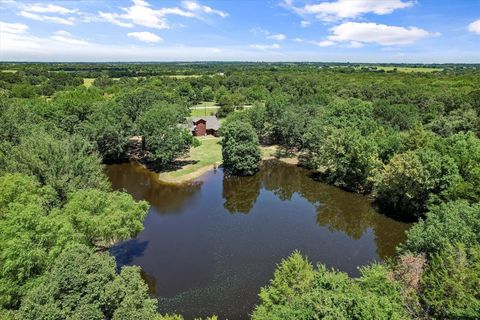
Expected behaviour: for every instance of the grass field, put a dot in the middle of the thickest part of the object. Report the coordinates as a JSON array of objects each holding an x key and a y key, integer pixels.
[
  {"x": 87, "y": 82},
  {"x": 409, "y": 69},
  {"x": 183, "y": 76},
  {"x": 9, "y": 71},
  {"x": 205, "y": 157}
]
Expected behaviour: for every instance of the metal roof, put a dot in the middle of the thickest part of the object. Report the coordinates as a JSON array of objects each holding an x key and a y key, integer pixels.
[{"x": 211, "y": 122}]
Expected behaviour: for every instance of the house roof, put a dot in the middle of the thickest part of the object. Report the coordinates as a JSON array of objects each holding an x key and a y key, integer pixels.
[{"x": 211, "y": 122}]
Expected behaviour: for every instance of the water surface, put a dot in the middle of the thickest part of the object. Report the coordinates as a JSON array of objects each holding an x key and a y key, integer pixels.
[{"x": 208, "y": 246}]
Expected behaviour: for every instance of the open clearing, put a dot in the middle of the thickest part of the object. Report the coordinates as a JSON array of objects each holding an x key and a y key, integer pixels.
[
  {"x": 199, "y": 160},
  {"x": 208, "y": 156},
  {"x": 88, "y": 82},
  {"x": 409, "y": 69}
]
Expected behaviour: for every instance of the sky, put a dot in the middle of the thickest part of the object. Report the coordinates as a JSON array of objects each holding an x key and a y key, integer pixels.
[{"x": 399, "y": 31}]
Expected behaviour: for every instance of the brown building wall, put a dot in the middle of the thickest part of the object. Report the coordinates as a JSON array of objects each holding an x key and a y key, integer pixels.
[{"x": 200, "y": 128}]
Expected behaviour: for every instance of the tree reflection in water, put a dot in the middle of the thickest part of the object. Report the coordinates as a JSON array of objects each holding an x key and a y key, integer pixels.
[
  {"x": 337, "y": 210},
  {"x": 143, "y": 184},
  {"x": 240, "y": 193}
]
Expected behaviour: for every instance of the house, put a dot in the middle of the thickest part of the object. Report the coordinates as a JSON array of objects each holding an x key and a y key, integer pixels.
[{"x": 201, "y": 126}]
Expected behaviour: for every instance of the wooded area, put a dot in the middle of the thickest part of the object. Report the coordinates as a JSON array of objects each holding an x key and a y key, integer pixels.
[{"x": 409, "y": 140}]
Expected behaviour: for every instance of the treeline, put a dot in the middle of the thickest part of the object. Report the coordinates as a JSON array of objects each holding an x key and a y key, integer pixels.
[{"x": 410, "y": 141}]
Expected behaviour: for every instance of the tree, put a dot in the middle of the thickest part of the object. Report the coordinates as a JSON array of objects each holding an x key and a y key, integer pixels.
[
  {"x": 104, "y": 218},
  {"x": 85, "y": 285},
  {"x": 137, "y": 101},
  {"x": 34, "y": 229},
  {"x": 298, "y": 291},
  {"x": 164, "y": 138},
  {"x": 240, "y": 148},
  {"x": 109, "y": 128},
  {"x": 451, "y": 283},
  {"x": 70, "y": 109},
  {"x": 207, "y": 93},
  {"x": 444, "y": 225},
  {"x": 343, "y": 156},
  {"x": 66, "y": 163},
  {"x": 413, "y": 179},
  {"x": 103, "y": 81}
]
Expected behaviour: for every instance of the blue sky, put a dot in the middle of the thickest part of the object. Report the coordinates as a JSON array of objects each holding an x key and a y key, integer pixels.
[{"x": 425, "y": 31}]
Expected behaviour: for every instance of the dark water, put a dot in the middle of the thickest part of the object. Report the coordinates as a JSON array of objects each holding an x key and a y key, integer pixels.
[{"x": 208, "y": 246}]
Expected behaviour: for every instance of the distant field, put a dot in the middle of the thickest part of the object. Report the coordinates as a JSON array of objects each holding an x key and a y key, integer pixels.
[
  {"x": 200, "y": 110},
  {"x": 183, "y": 76},
  {"x": 409, "y": 69},
  {"x": 87, "y": 82},
  {"x": 203, "y": 112},
  {"x": 9, "y": 71}
]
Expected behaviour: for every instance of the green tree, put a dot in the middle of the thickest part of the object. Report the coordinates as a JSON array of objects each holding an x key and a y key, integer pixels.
[
  {"x": 444, "y": 225},
  {"x": 66, "y": 163},
  {"x": 164, "y": 138},
  {"x": 137, "y": 101},
  {"x": 109, "y": 128},
  {"x": 34, "y": 230},
  {"x": 344, "y": 156},
  {"x": 298, "y": 291},
  {"x": 411, "y": 179},
  {"x": 85, "y": 285},
  {"x": 104, "y": 218},
  {"x": 240, "y": 148},
  {"x": 451, "y": 283}
]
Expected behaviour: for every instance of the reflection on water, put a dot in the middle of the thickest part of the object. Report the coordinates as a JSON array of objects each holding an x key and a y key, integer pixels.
[{"x": 200, "y": 258}]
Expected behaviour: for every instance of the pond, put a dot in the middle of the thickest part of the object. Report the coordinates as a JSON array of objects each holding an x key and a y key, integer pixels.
[{"x": 209, "y": 245}]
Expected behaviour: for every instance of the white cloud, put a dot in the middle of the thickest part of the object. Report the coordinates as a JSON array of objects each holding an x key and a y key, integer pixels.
[
  {"x": 109, "y": 17},
  {"x": 268, "y": 34},
  {"x": 305, "y": 23},
  {"x": 348, "y": 9},
  {"x": 325, "y": 43},
  {"x": 355, "y": 44},
  {"x": 67, "y": 38},
  {"x": 141, "y": 13},
  {"x": 16, "y": 28},
  {"x": 45, "y": 18},
  {"x": 144, "y": 36},
  {"x": 195, "y": 6},
  {"x": 298, "y": 40},
  {"x": 363, "y": 32},
  {"x": 49, "y": 8},
  {"x": 265, "y": 46},
  {"x": 48, "y": 13},
  {"x": 277, "y": 37},
  {"x": 474, "y": 27}
]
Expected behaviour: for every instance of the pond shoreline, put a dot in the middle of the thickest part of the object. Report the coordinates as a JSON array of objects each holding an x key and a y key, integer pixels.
[
  {"x": 205, "y": 169},
  {"x": 210, "y": 148}
]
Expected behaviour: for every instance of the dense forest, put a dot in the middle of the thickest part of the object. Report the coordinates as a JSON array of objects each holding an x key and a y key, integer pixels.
[{"x": 408, "y": 140}]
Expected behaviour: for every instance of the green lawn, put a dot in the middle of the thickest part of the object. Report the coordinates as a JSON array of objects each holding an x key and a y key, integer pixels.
[
  {"x": 206, "y": 156},
  {"x": 209, "y": 155}
]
